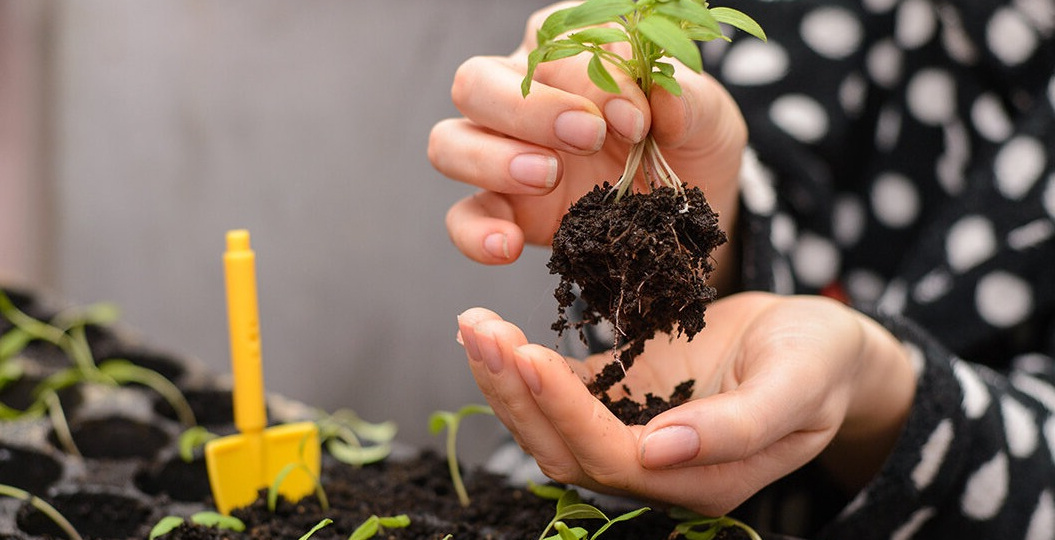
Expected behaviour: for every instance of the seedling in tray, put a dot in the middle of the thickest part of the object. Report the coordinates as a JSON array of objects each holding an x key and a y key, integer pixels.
[{"x": 640, "y": 260}]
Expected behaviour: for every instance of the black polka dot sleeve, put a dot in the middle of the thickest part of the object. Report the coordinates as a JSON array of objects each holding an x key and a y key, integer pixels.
[{"x": 902, "y": 159}]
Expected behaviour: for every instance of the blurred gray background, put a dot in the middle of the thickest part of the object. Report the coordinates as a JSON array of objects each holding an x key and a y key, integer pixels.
[{"x": 133, "y": 135}]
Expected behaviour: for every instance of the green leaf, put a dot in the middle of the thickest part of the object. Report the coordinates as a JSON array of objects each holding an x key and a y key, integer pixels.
[
  {"x": 668, "y": 35},
  {"x": 594, "y": 12},
  {"x": 357, "y": 455},
  {"x": 568, "y": 534},
  {"x": 191, "y": 439},
  {"x": 670, "y": 84},
  {"x": 553, "y": 26},
  {"x": 625, "y": 517},
  {"x": 475, "y": 408},
  {"x": 315, "y": 529},
  {"x": 395, "y": 522},
  {"x": 216, "y": 519},
  {"x": 165, "y": 525},
  {"x": 367, "y": 530},
  {"x": 568, "y": 498},
  {"x": 599, "y": 36},
  {"x": 581, "y": 511},
  {"x": 578, "y": 532},
  {"x": 600, "y": 76},
  {"x": 440, "y": 420},
  {"x": 689, "y": 12},
  {"x": 544, "y": 491},
  {"x": 738, "y": 19}
]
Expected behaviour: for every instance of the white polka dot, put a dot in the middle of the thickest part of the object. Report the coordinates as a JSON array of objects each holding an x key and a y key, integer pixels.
[
  {"x": 815, "y": 260},
  {"x": 1042, "y": 524},
  {"x": 783, "y": 281},
  {"x": 884, "y": 63},
  {"x": 915, "y": 24},
  {"x": 782, "y": 233},
  {"x": 848, "y": 220},
  {"x": 990, "y": 118},
  {"x": 858, "y": 503},
  {"x": 1051, "y": 92},
  {"x": 931, "y": 96},
  {"x": 953, "y": 161},
  {"x": 932, "y": 455},
  {"x": 852, "y": 94},
  {"x": 954, "y": 38},
  {"x": 932, "y": 286},
  {"x": 975, "y": 394},
  {"x": 1041, "y": 13},
  {"x": 1036, "y": 388},
  {"x": 970, "y": 241},
  {"x": 831, "y": 32},
  {"x": 800, "y": 116},
  {"x": 986, "y": 489},
  {"x": 895, "y": 200},
  {"x": 1003, "y": 300},
  {"x": 1031, "y": 234},
  {"x": 879, "y": 6},
  {"x": 1035, "y": 362},
  {"x": 1049, "y": 196},
  {"x": 894, "y": 298},
  {"x": 1010, "y": 36},
  {"x": 908, "y": 530},
  {"x": 751, "y": 62},
  {"x": 888, "y": 128},
  {"x": 864, "y": 286},
  {"x": 1020, "y": 428},
  {"x": 1018, "y": 166},
  {"x": 756, "y": 185},
  {"x": 915, "y": 358}
]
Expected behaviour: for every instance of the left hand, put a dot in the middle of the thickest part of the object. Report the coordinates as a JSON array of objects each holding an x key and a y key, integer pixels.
[{"x": 779, "y": 381}]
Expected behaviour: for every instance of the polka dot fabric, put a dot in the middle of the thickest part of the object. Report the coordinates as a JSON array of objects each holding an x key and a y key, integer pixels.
[{"x": 903, "y": 154}]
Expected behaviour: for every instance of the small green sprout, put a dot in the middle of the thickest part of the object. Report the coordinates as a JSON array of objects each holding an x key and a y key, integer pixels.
[
  {"x": 571, "y": 506},
  {"x": 325, "y": 522},
  {"x": 67, "y": 331},
  {"x": 374, "y": 524},
  {"x": 694, "y": 526},
  {"x": 654, "y": 30},
  {"x": 440, "y": 419},
  {"x": 40, "y": 504},
  {"x": 192, "y": 439},
  {"x": 272, "y": 490},
  {"x": 343, "y": 433},
  {"x": 168, "y": 524}
]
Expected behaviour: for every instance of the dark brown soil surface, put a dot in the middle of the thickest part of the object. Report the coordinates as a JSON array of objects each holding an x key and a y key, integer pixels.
[
  {"x": 640, "y": 264},
  {"x": 421, "y": 489}
]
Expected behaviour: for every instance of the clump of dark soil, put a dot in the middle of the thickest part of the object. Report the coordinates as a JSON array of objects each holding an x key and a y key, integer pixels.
[{"x": 640, "y": 264}]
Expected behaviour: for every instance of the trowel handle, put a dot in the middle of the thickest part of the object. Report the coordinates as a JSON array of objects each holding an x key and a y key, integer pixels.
[{"x": 244, "y": 328}]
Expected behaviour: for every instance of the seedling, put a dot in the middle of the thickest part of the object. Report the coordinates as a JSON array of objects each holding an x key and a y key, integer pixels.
[
  {"x": 343, "y": 433},
  {"x": 374, "y": 525},
  {"x": 67, "y": 331},
  {"x": 440, "y": 419},
  {"x": 206, "y": 519},
  {"x": 303, "y": 466},
  {"x": 192, "y": 439},
  {"x": 696, "y": 527},
  {"x": 325, "y": 522},
  {"x": 40, "y": 504},
  {"x": 571, "y": 506},
  {"x": 640, "y": 260}
]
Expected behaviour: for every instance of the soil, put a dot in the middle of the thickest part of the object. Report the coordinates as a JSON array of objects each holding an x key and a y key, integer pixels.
[{"x": 641, "y": 265}]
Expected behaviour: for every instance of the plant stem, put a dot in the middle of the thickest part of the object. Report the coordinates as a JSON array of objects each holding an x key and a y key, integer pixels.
[
  {"x": 43, "y": 506},
  {"x": 452, "y": 464},
  {"x": 647, "y": 157}
]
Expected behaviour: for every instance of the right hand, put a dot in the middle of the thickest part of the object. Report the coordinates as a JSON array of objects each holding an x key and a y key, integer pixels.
[{"x": 532, "y": 157}]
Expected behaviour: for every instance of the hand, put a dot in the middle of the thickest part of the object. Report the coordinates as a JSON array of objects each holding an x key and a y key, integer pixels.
[
  {"x": 778, "y": 382},
  {"x": 534, "y": 156}
]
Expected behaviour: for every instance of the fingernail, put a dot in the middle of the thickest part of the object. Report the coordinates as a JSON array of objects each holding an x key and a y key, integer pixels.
[
  {"x": 497, "y": 245},
  {"x": 458, "y": 338},
  {"x": 534, "y": 170},
  {"x": 625, "y": 118},
  {"x": 529, "y": 373},
  {"x": 580, "y": 129},
  {"x": 669, "y": 446},
  {"x": 467, "y": 338},
  {"x": 489, "y": 351}
]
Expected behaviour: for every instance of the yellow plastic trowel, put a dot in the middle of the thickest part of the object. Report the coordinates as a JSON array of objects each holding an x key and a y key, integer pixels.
[{"x": 240, "y": 465}]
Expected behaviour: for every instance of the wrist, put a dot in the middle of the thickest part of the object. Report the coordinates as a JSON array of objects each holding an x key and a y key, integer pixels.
[{"x": 884, "y": 389}]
